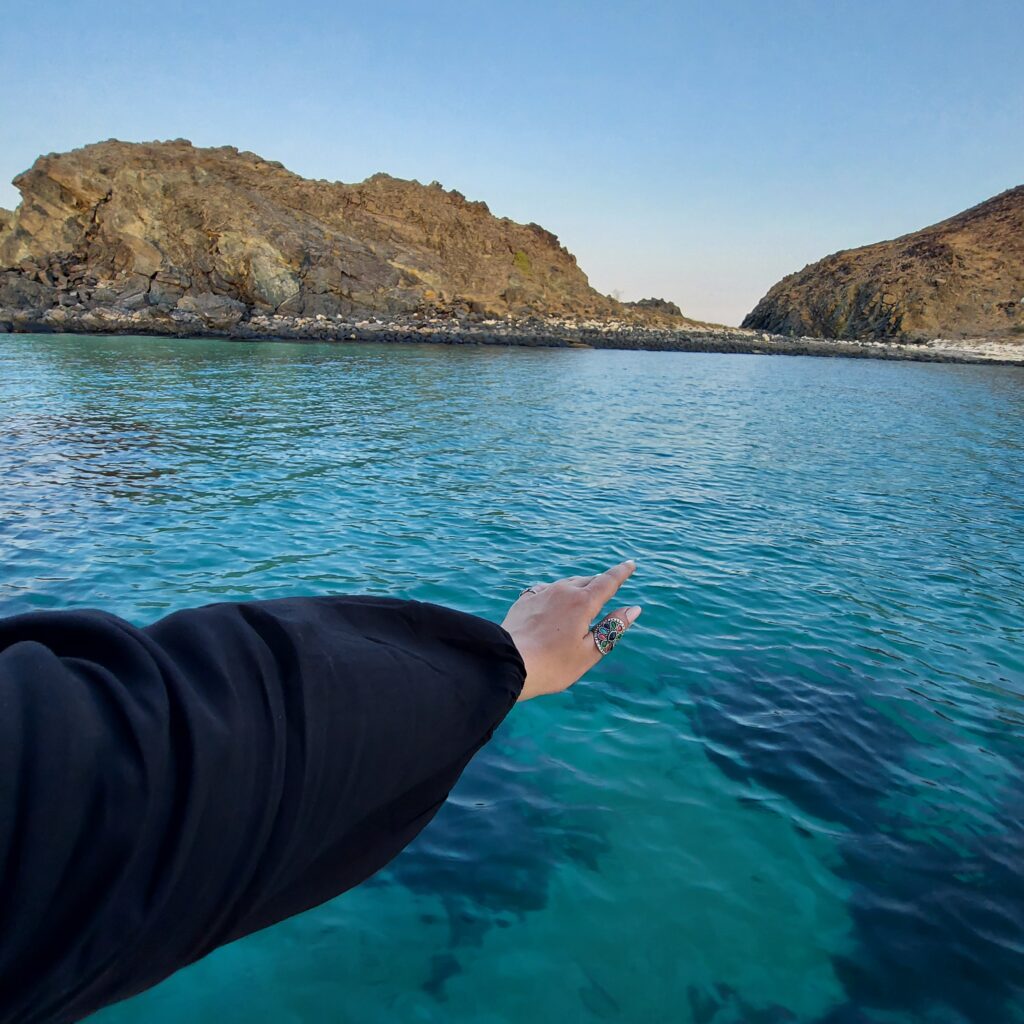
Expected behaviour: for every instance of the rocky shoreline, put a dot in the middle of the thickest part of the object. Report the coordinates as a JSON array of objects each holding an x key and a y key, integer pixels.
[
  {"x": 170, "y": 239},
  {"x": 227, "y": 319}
]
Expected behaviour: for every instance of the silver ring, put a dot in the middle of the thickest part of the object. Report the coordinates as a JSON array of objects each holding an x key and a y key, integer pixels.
[
  {"x": 528, "y": 590},
  {"x": 607, "y": 633}
]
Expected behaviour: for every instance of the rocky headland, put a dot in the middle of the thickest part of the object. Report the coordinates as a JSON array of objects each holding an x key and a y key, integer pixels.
[
  {"x": 167, "y": 238},
  {"x": 960, "y": 279}
]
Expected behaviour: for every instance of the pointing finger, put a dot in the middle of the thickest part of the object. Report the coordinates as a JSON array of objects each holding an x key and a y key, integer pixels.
[{"x": 602, "y": 587}]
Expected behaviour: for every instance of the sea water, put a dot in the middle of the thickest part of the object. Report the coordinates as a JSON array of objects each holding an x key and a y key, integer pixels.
[{"x": 795, "y": 791}]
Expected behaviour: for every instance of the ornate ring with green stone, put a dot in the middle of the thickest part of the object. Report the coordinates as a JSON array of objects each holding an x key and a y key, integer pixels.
[{"x": 607, "y": 633}]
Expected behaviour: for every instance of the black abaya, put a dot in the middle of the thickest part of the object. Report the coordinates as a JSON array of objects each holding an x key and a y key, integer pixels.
[{"x": 166, "y": 790}]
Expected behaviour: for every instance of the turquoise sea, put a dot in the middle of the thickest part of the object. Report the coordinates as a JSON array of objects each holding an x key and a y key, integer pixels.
[{"x": 794, "y": 793}]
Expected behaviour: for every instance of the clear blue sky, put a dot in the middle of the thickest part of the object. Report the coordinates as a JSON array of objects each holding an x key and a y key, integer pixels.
[{"x": 696, "y": 151}]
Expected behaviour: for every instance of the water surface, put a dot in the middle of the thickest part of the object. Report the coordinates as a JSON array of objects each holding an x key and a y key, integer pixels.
[{"x": 794, "y": 793}]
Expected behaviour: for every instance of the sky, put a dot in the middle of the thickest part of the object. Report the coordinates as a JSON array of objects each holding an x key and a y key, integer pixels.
[{"x": 692, "y": 151}]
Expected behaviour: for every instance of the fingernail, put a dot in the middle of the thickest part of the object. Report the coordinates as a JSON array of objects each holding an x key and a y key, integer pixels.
[
  {"x": 630, "y": 561},
  {"x": 633, "y": 613}
]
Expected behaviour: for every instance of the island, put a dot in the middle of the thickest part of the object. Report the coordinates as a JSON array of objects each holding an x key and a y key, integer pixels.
[{"x": 167, "y": 238}]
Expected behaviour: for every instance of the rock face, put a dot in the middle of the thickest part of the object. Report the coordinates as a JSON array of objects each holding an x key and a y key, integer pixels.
[
  {"x": 222, "y": 235},
  {"x": 963, "y": 277},
  {"x": 662, "y": 306}
]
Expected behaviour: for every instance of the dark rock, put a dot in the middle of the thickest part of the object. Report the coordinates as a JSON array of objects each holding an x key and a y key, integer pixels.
[
  {"x": 215, "y": 310},
  {"x": 657, "y": 306},
  {"x": 19, "y": 291},
  {"x": 134, "y": 293}
]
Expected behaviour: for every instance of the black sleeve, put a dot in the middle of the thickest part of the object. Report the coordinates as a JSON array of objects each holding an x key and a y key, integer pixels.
[{"x": 168, "y": 789}]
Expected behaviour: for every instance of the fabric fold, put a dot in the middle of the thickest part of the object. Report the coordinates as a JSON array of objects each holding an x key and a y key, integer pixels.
[{"x": 167, "y": 789}]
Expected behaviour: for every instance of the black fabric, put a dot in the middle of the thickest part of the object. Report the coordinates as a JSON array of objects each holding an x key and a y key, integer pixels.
[{"x": 168, "y": 789}]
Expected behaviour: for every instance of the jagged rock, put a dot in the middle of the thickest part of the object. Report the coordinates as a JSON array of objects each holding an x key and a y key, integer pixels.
[
  {"x": 133, "y": 292},
  {"x": 21, "y": 291},
  {"x": 217, "y": 311},
  {"x": 662, "y": 306},
  {"x": 961, "y": 278},
  {"x": 166, "y": 225}
]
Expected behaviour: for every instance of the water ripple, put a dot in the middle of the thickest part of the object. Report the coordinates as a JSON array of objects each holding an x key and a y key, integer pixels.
[{"x": 792, "y": 795}]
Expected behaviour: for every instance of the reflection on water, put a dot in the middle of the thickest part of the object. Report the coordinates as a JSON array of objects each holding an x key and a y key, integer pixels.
[
  {"x": 94, "y": 452},
  {"x": 794, "y": 793}
]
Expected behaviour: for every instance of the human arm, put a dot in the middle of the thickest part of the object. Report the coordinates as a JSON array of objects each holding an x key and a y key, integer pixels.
[{"x": 165, "y": 790}]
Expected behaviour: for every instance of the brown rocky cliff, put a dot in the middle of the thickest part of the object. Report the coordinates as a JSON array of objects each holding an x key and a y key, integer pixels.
[
  {"x": 169, "y": 226},
  {"x": 963, "y": 277}
]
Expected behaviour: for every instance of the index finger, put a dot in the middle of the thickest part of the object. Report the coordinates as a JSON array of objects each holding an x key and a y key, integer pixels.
[{"x": 603, "y": 586}]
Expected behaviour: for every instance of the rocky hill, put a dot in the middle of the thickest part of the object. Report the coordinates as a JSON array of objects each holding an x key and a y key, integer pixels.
[
  {"x": 167, "y": 238},
  {"x": 961, "y": 278},
  {"x": 172, "y": 230}
]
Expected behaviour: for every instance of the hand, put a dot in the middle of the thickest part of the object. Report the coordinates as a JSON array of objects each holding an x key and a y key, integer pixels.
[{"x": 550, "y": 625}]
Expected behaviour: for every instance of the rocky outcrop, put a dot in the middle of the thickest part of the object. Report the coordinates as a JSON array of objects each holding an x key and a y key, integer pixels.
[
  {"x": 662, "y": 306},
  {"x": 217, "y": 235},
  {"x": 961, "y": 278}
]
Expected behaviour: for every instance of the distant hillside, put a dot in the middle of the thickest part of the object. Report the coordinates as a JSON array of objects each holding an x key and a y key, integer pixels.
[
  {"x": 963, "y": 277},
  {"x": 167, "y": 227}
]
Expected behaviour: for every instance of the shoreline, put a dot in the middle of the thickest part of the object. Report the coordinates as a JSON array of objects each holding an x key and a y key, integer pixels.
[{"x": 533, "y": 332}]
